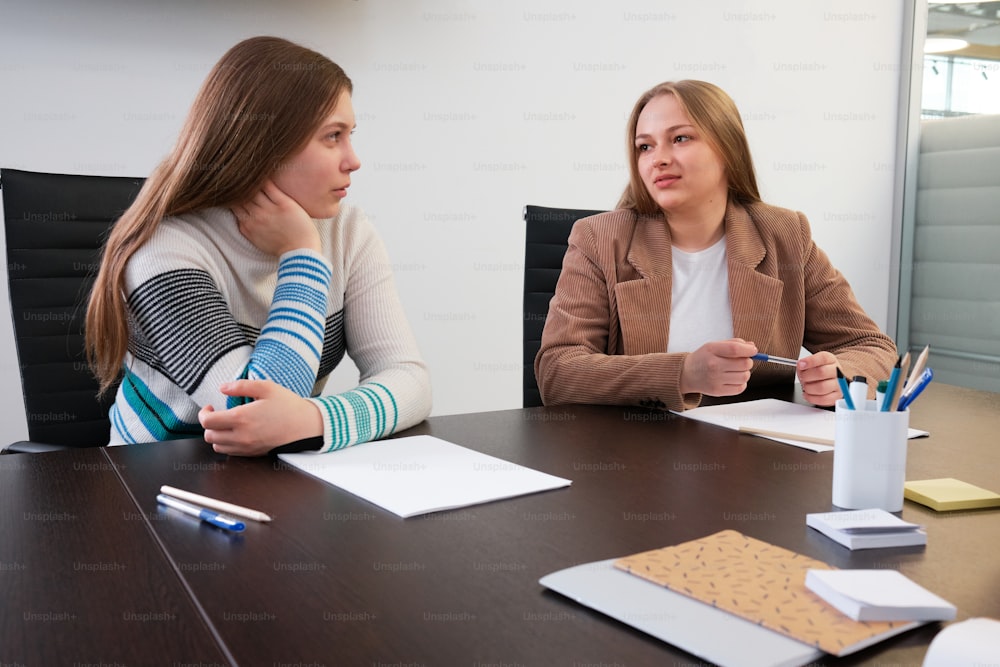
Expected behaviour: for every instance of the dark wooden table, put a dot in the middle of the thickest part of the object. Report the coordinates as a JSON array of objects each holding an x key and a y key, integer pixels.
[
  {"x": 82, "y": 578},
  {"x": 334, "y": 580}
]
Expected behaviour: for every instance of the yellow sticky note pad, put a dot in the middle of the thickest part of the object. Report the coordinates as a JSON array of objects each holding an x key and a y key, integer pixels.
[{"x": 947, "y": 494}]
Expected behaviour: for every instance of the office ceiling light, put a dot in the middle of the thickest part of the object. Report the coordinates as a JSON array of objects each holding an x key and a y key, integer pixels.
[{"x": 943, "y": 44}]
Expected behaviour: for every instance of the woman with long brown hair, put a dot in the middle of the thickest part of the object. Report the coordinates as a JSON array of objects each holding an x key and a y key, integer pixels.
[
  {"x": 668, "y": 298},
  {"x": 238, "y": 279}
]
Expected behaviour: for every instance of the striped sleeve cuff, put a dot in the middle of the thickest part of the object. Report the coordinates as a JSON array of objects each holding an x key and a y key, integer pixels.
[{"x": 368, "y": 412}]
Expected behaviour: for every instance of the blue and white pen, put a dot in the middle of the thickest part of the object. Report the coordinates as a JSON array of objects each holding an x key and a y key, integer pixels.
[
  {"x": 208, "y": 516},
  {"x": 760, "y": 356},
  {"x": 911, "y": 393}
]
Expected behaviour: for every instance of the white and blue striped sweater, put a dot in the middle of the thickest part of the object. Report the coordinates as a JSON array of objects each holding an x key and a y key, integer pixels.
[{"x": 206, "y": 306}]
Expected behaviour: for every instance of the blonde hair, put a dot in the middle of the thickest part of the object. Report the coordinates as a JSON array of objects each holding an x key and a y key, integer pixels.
[
  {"x": 258, "y": 106},
  {"x": 715, "y": 113}
]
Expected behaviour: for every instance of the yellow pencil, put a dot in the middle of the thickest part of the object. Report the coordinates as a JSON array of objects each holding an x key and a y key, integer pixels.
[
  {"x": 918, "y": 367},
  {"x": 904, "y": 368}
]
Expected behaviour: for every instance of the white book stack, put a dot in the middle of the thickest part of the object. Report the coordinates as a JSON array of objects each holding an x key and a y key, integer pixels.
[{"x": 867, "y": 529}]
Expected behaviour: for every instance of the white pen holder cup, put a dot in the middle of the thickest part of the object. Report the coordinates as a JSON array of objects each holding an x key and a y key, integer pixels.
[{"x": 869, "y": 457}]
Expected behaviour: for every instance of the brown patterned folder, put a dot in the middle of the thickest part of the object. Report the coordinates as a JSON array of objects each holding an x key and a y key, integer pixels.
[{"x": 759, "y": 582}]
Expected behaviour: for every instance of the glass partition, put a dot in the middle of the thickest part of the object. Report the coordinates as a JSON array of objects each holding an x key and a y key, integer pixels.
[
  {"x": 950, "y": 241},
  {"x": 956, "y": 86}
]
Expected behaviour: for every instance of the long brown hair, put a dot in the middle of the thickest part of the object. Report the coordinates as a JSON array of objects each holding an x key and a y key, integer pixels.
[
  {"x": 715, "y": 113},
  {"x": 259, "y": 106}
]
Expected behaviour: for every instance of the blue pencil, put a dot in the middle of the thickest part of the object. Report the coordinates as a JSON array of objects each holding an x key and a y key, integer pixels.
[
  {"x": 845, "y": 390},
  {"x": 890, "y": 390}
]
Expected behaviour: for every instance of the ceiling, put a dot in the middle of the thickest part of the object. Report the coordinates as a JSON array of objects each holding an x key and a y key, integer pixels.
[{"x": 976, "y": 22}]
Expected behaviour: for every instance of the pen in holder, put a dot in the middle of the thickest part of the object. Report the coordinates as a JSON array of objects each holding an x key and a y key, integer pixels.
[{"x": 869, "y": 457}]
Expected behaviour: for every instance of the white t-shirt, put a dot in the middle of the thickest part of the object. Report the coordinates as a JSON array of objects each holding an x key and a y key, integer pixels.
[{"x": 699, "y": 303}]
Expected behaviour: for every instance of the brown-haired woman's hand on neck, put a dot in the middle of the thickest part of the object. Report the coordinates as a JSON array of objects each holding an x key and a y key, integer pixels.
[{"x": 275, "y": 223}]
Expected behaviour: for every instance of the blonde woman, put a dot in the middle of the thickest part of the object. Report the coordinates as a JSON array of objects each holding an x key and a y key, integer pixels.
[
  {"x": 666, "y": 299},
  {"x": 239, "y": 277}
]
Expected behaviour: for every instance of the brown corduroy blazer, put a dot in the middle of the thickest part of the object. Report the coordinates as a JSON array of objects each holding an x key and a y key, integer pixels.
[{"x": 606, "y": 334}]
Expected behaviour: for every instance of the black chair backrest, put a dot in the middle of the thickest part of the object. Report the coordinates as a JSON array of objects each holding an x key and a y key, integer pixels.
[
  {"x": 55, "y": 226},
  {"x": 546, "y": 239}
]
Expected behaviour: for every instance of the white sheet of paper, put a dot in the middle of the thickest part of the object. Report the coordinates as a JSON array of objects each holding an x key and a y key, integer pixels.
[
  {"x": 422, "y": 474},
  {"x": 771, "y": 414}
]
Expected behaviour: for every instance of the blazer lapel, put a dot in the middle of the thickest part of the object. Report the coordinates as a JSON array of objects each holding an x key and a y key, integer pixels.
[
  {"x": 753, "y": 296},
  {"x": 644, "y": 304}
]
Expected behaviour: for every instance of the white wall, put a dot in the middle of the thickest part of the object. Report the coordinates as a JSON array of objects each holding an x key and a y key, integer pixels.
[{"x": 469, "y": 109}]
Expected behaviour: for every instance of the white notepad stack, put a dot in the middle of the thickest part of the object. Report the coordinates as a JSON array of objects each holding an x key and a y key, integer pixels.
[
  {"x": 867, "y": 529},
  {"x": 878, "y": 595}
]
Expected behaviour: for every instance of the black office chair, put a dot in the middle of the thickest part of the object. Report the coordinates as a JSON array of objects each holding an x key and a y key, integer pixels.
[
  {"x": 55, "y": 226},
  {"x": 546, "y": 239}
]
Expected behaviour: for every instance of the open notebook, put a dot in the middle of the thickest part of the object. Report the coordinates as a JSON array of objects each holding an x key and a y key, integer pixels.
[{"x": 770, "y": 415}]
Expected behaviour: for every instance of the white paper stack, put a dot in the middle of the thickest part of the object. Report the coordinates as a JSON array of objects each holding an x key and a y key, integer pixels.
[
  {"x": 878, "y": 595},
  {"x": 867, "y": 529}
]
